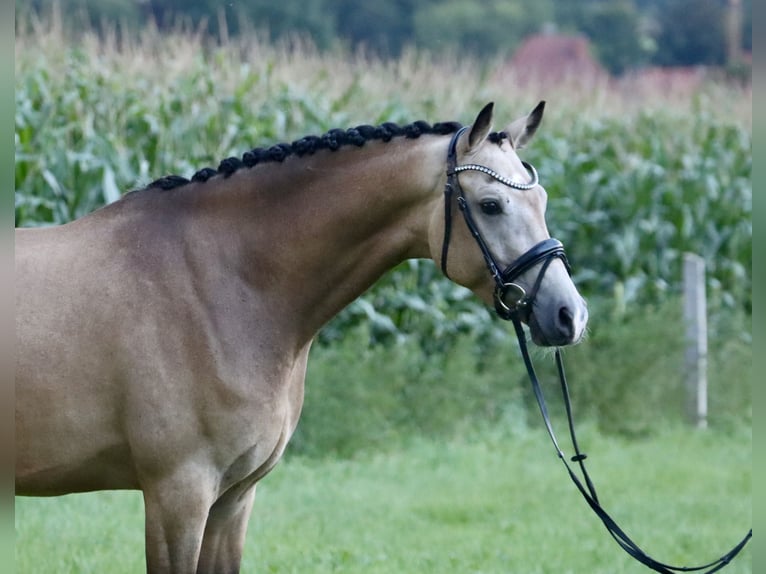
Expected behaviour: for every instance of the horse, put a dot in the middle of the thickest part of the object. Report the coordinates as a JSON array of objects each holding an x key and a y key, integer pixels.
[{"x": 162, "y": 340}]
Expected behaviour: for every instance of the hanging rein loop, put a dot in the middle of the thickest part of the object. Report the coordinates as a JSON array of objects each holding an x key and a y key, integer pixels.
[
  {"x": 586, "y": 486},
  {"x": 513, "y": 303}
]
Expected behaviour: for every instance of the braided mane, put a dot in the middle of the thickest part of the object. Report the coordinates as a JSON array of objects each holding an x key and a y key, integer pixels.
[{"x": 332, "y": 140}]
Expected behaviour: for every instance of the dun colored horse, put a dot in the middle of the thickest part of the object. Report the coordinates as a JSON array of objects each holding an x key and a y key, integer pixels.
[{"x": 162, "y": 340}]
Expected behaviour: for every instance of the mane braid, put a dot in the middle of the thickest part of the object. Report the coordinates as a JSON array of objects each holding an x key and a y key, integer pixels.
[{"x": 308, "y": 145}]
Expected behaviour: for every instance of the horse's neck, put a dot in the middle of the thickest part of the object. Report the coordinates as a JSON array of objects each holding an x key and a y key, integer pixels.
[{"x": 316, "y": 232}]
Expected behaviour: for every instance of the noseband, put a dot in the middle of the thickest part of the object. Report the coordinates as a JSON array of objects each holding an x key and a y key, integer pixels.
[
  {"x": 519, "y": 307},
  {"x": 510, "y": 298}
]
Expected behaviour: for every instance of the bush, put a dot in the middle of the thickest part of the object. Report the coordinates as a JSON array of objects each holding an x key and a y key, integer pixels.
[
  {"x": 361, "y": 396},
  {"x": 627, "y": 377}
]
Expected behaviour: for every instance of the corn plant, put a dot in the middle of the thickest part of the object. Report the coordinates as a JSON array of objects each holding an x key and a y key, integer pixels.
[{"x": 631, "y": 186}]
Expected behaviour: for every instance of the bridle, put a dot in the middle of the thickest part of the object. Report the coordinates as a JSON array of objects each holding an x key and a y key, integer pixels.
[
  {"x": 517, "y": 309},
  {"x": 505, "y": 286}
]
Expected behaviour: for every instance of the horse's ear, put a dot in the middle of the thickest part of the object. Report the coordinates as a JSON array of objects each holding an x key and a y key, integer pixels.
[
  {"x": 522, "y": 130},
  {"x": 481, "y": 126}
]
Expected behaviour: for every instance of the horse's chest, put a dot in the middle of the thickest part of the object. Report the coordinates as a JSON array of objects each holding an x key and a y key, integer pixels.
[
  {"x": 258, "y": 458},
  {"x": 261, "y": 430}
]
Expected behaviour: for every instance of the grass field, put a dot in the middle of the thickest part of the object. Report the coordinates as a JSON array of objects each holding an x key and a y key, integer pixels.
[{"x": 495, "y": 502}]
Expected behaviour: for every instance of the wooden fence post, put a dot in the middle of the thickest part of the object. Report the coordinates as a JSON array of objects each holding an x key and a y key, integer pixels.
[{"x": 695, "y": 319}]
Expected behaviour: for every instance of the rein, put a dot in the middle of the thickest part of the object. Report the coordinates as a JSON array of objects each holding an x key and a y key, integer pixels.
[{"x": 518, "y": 308}]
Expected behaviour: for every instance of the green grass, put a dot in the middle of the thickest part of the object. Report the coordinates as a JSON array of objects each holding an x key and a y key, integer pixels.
[{"x": 489, "y": 502}]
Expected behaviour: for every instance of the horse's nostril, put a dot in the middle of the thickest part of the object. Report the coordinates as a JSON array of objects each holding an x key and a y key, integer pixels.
[{"x": 566, "y": 322}]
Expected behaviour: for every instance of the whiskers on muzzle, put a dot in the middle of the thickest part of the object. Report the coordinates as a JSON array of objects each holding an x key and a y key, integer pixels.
[{"x": 559, "y": 324}]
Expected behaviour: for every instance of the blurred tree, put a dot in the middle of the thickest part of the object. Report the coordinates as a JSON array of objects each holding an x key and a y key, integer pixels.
[
  {"x": 614, "y": 27},
  {"x": 295, "y": 18},
  {"x": 384, "y": 28},
  {"x": 82, "y": 14},
  {"x": 691, "y": 32},
  {"x": 625, "y": 33},
  {"x": 279, "y": 19},
  {"x": 747, "y": 36},
  {"x": 479, "y": 27}
]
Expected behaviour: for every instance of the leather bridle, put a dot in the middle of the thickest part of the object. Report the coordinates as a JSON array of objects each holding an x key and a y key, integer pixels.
[
  {"x": 510, "y": 298},
  {"x": 519, "y": 307}
]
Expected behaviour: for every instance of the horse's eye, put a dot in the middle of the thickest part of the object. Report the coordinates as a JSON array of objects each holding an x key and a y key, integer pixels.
[{"x": 491, "y": 207}]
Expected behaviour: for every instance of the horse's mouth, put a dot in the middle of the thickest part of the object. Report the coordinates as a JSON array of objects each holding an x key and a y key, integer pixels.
[
  {"x": 538, "y": 338},
  {"x": 542, "y": 338}
]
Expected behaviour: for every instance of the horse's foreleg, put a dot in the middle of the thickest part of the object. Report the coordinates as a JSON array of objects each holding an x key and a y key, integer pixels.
[
  {"x": 176, "y": 511},
  {"x": 225, "y": 532}
]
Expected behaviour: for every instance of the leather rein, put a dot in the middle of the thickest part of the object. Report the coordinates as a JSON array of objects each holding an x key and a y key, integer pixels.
[{"x": 513, "y": 303}]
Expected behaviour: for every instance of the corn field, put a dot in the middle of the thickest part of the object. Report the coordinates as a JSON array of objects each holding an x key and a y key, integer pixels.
[{"x": 635, "y": 178}]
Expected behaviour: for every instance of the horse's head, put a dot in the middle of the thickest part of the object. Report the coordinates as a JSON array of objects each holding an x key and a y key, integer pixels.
[{"x": 491, "y": 235}]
